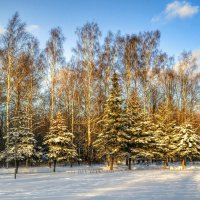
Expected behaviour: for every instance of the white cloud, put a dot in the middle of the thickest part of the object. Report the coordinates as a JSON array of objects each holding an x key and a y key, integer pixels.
[
  {"x": 177, "y": 9},
  {"x": 32, "y": 28},
  {"x": 180, "y": 9},
  {"x": 2, "y": 30}
]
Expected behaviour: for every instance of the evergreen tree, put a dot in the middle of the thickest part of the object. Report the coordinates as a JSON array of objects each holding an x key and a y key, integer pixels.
[
  {"x": 112, "y": 139},
  {"x": 144, "y": 140},
  {"x": 185, "y": 143},
  {"x": 134, "y": 117},
  {"x": 60, "y": 141},
  {"x": 165, "y": 126},
  {"x": 142, "y": 132},
  {"x": 21, "y": 142}
]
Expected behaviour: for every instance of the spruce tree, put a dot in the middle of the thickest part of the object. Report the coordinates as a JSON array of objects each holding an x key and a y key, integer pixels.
[
  {"x": 60, "y": 141},
  {"x": 142, "y": 132},
  {"x": 21, "y": 142},
  {"x": 165, "y": 123},
  {"x": 144, "y": 136},
  {"x": 134, "y": 117},
  {"x": 111, "y": 140},
  {"x": 185, "y": 143}
]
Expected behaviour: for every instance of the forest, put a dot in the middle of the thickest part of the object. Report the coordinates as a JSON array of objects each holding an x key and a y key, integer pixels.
[{"x": 120, "y": 98}]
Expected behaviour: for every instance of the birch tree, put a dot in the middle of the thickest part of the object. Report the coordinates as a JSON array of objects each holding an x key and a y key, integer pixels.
[
  {"x": 12, "y": 42},
  {"x": 54, "y": 55},
  {"x": 147, "y": 49},
  {"x": 87, "y": 51}
]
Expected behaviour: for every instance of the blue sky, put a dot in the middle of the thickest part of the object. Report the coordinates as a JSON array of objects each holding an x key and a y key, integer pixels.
[{"x": 178, "y": 21}]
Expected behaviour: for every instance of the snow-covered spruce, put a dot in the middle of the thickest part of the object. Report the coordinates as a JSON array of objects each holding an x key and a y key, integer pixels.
[
  {"x": 111, "y": 140},
  {"x": 20, "y": 140},
  {"x": 134, "y": 118},
  {"x": 142, "y": 133},
  {"x": 144, "y": 140},
  {"x": 60, "y": 141},
  {"x": 165, "y": 126},
  {"x": 185, "y": 143}
]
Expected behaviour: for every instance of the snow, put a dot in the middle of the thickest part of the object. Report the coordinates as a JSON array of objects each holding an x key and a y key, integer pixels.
[
  {"x": 45, "y": 169},
  {"x": 77, "y": 169},
  {"x": 135, "y": 184}
]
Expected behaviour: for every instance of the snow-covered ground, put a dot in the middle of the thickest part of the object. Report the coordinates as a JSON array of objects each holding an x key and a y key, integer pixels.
[
  {"x": 46, "y": 169},
  {"x": 135, "y": 184},
  {"x": 99, "y": 168}
]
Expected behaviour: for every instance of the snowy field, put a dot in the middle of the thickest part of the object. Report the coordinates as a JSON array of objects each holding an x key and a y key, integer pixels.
[
  {"x": 99, "y": 168},
  {"x": 135, "y": 184}
]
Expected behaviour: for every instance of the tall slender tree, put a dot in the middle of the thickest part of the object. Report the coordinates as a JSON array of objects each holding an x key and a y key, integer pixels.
[
  {"x": 87, "y": 51},
  {"x": 147, "y": 51},
  {"x": 54, "y": 55},
  {"x": 111, "y": 141},
  {"x": 12, "y": 44}
]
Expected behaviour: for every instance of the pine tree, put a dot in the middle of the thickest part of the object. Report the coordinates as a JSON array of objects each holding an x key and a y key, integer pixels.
[
  {"x": 111, "y": 140},
  {"x": 60, "y": 141},
  {"x": 185, "y": 143},
  {"x": 21, "y": 142}
]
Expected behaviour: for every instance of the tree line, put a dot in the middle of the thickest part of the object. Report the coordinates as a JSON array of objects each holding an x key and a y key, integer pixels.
[{"x": 117, "y": 98}]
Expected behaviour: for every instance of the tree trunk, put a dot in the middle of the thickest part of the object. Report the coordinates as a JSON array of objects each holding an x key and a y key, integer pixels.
[
  {"x": 54, "y": 165},
  {"x": 7, "y": 164},
  {"x": 71, "y": 163},
  {"x": 107, "y": 161},
  {"x": 111, "y": 162},
  {"x": 8, "y": 91},
  {"x": 17, "y": 166},
  {"x": 27, "y": 162},
  {"x": 89, "y": 156},
  {"x": 145, "y": 97},
  {"x": 129, "y": 163},
  {"x": 72, "y": 119},
  {"x": 89, "y": 119},
  {"x": 15, "y": 174},
  {"x": 183, "y": 163},
  {"x": 165, "y": 164},
  {"x": 128, "y": 83},
  {"x": 52, "y": 89},
  {"x": 126, "y": 161}
]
